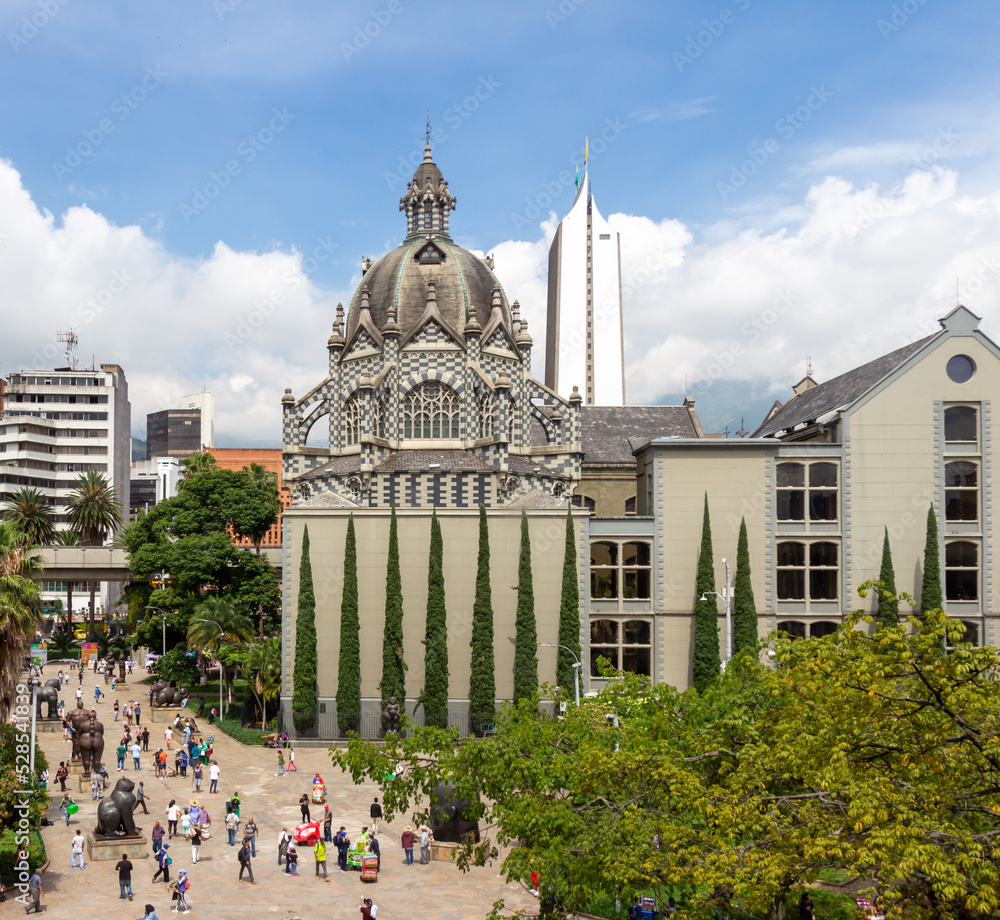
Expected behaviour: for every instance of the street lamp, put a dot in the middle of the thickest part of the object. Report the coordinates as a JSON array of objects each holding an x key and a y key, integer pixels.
[
  {"x": 33, "y": 683},
  {"x": 727, "y": 600},
  {"x": 576, "y": 667},
  {"x": 163, "y": 613},
  {"x": 222, "y": 632}
]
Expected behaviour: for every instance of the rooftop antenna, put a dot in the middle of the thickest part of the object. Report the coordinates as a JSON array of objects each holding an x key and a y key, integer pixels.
[
  {"x": 427, "y": 129},
  {"x": 70, "y": 339},
  {"x": 809, "y": 366},
  {"x": 742, "y": 433}
]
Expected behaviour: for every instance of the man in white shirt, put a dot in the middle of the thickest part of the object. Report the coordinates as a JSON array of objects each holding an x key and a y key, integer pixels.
[
  {"x": 168, "y": 736},
  {"x": 76, "y": 849},
  {"x": 213, "y": 775}
]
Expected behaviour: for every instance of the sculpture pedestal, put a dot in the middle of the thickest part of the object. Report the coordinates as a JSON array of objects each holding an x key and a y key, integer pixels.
[
  {"x": 75, "y": 767},
  {"x": 444, "y": 851},
  {"x": 108, "y": 849},
  {"x": 48, "y": 725}
]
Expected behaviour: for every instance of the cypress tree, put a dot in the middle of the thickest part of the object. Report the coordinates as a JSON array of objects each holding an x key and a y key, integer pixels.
[
  {"x": 393, "y": 681},
  {"x": 525, "y": 632},
  {"x": 435, "y": 696},
  {"x": 930, "y": 588},
  {"x": 569, "y": 613},
  {"x": 349, "y": 666},
  {"x": 744, "y": 609},
  {"x": 705, "y": 663},
  {"x": 305, "y": 691},
  {"x": 482, "y": 679},
  {"x": 888, "y": 607}
]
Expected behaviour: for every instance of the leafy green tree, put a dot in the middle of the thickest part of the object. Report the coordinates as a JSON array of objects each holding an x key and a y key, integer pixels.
[
  {"x": 178, "y": 665},
  {"x": 262, "y": 669},
  {"x": 931, "y": 597},
  {"x": 393, "y": 682},
  {"x": 94, "y": 511},
  {"x": 525, "y": 629},
  {"x": 198, "y": 463},
  {"x": 257, "y": 511},
  {"x": 305, "y": 690},
  {"x": 888, "y": 603},
  {"x": 569, "y": 613},
  {"x": 21, "y": 794},
  {"x": 349, "y": 665},
  {"x": 219, "y": 620},
  {"x": 31, "y": 513},
  {"x": 434, "y": 699},
  {"x": 20, "y": 609},
  {"x": 744, "y": 606},
  {"x": 706, "y": 661},
  {"x": 482, "y": 678}
]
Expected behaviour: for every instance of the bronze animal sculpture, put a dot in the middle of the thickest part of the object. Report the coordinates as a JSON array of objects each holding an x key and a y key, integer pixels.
[{"x": 114, "y": 814}]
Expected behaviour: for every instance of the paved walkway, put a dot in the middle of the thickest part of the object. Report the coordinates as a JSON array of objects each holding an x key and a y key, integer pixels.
[{"x": 438, "y": 890}]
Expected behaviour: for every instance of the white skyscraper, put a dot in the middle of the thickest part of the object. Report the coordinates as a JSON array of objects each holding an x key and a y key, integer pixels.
[
  {"x": 584, "y": 342},
  {"x": 205, "y": 402}
]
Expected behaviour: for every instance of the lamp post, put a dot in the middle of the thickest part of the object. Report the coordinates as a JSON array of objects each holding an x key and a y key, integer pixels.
[
  {"x": 727, "y": 600},
  {"x": 33, "y": 683},
  {"x": 163, "y": 613},
  {"x": 576, "y": 667},
  {"x": 222, "y": 632}
]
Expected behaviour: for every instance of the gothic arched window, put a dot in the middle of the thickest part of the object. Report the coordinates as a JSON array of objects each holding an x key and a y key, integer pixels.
[
  {"x": 511, "y": 415},
  {"x": 378, "y": 428},
  {"x": 352, "y": 420},
  {"x": 431, "y": 410},
  {"x": 486, "y": 414}
]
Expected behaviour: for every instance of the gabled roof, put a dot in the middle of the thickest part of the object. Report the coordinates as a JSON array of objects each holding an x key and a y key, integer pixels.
[
  {"x": 537, "y": 499},
  {"x": 338, "y": 465},
  {"x": 326, "y": 501},
  {"x": 443, "y": 461},
  {"x": 607, "y": 430},
  {"x": 840, "y": 392}
]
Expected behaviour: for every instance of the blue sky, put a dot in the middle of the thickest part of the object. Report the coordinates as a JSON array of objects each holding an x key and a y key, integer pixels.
[{"x": 727, "y": 128}]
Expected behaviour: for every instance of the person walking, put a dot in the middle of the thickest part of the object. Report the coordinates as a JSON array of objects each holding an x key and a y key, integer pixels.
[
  {"x": 180, "y": 890},
  {"x": 140, "y": 799},
  {"x": 135, "y": 712},
  {"x": 291, "y": 760},
  {"x": 292, "y": 863},
  {"x": 145, "y": 740},
  {"x": 343, "y": 844},
  {"x": 425, "y": 846},
  {"x": 281, "y": 764},
  {"x": 168, "y": 736},
  {"x": 136, "y": 755},
  {"x": 76, "y": 850},
  {"x": 196, "y": 775},
  {"x": 377, "y": 850},
  {"x": 283, "y": 839},
  {"x": 327, "y": 825},
  {"x": 62, "y": 774},
  {"x": 304, "y": 808},
  {"x": 196, "y": 839},
  {"x": 319, "y": 854},
  {"x": 95, "y": 785},
  {"x": 232, "y": 824},
  {"x": 250, "y": 836},
  {"x": 67, "y": 800},
  {"x": 35, "y": 888},
  {"x": 244, "y": 859},
  {"x": 376, "y": 815},
  {"x": 406, "y": 841},
  {"x": 120, "y": 752},
  {"x": 163, "y": 862},
  {"x": 124, "y": 869},
  {"x": 156, "y": 835},
  {"x": 213, "y": 778}
]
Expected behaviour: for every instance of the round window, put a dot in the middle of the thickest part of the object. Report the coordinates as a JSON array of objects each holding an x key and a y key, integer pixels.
[{"x": 961, "y": 368}]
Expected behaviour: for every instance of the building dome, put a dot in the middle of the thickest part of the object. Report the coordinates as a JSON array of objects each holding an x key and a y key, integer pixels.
[{"x": 464, "y": 283}]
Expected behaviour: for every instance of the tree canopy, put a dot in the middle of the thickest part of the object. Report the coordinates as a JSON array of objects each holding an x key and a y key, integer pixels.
[{"x": 866, "y": 751}]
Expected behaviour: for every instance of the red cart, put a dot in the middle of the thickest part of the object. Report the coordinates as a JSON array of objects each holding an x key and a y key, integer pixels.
[{"x": 369, "y": 867}]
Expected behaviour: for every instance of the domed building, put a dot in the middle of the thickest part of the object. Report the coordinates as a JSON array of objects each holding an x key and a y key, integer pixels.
[{"x": 429, "y": 392}]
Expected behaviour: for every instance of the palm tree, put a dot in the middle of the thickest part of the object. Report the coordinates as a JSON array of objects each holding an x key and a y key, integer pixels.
[
  {"x": 68, "y": 538},
  {"x": 31, "y": 512},
  {"x": 263, "y": 672},
  {"x": 197, "y": 463},
  {"x": 94, "y": 511},
  {"x": 217, "y": 620},
  {"x": 19, "y": 609}
]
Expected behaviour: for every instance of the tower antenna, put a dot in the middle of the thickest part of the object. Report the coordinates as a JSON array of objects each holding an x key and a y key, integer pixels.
[
  {"x": 70, "y": 340},
  {"x": 809, "y": 366}
]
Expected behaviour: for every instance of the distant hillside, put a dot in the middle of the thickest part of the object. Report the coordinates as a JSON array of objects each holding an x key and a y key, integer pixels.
[{"x": 138, "y": 448}]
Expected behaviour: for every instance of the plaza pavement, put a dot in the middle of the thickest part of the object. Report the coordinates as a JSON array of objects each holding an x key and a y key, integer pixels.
[{"x": 438, "y": 890}]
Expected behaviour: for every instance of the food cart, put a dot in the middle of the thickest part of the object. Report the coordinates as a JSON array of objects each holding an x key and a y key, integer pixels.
[
  {"x": 318, "y": 790},
  {"x": 369, "y": 867}
]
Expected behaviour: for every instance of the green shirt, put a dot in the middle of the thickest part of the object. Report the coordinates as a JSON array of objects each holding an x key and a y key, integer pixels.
[{"x": 121, "y": 751}]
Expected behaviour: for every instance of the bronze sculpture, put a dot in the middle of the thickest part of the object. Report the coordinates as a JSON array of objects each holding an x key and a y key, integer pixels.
[{"x": 114, "y": 814}]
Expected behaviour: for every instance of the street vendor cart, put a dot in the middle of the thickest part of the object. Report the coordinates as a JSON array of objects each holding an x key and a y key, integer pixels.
[
  {"x": 369, "y": 867},
  {"x": 318, "y": 790}
]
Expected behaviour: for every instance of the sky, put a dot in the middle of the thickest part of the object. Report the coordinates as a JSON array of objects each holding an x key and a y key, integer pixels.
[{"x": 191, "y": 186}]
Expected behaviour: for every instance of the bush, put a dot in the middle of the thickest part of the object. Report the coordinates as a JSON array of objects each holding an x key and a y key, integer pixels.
[
  {"x": 252, "y": 737},
  {"x": 10, "y": 849},
  {"x": 178, "y": 665}
]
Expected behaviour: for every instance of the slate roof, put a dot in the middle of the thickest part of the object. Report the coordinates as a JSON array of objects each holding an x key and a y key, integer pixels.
[
  {"x": 349, "y": 464},
  {"x": 838, "y": 393},
  {"x": 536, "y": 498},
  {"x": 526, "y": 466},
  {"x": 607, "y": 430},
  {"x": 326, "y": 501},
  {"x": 445, "y": 460}
]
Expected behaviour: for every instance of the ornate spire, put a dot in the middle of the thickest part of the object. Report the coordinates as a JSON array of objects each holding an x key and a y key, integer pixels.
[{"x": 427, "y": 202}]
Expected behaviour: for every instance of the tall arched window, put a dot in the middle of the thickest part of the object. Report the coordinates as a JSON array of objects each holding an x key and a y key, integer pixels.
[
  {"x": 431, "y": 411},
  {"x": 378, "y": 427},
  {"x": 352, "y": 419},
  {"x": 511, "y": 416},
  {"x": 486, "y": 414}
]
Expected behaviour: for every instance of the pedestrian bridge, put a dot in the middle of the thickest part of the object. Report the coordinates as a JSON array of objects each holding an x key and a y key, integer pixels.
[{"x": 102, "y": 563}]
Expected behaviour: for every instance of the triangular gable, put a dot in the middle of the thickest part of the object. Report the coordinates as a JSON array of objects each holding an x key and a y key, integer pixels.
[
  {"x": 429, "y": 254},
  {"x": 431, "y": 316},
  {"x": 430, "y": 333},
  {"x": 362, "y": 341},
  {"x": 495, "y": 335}
]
